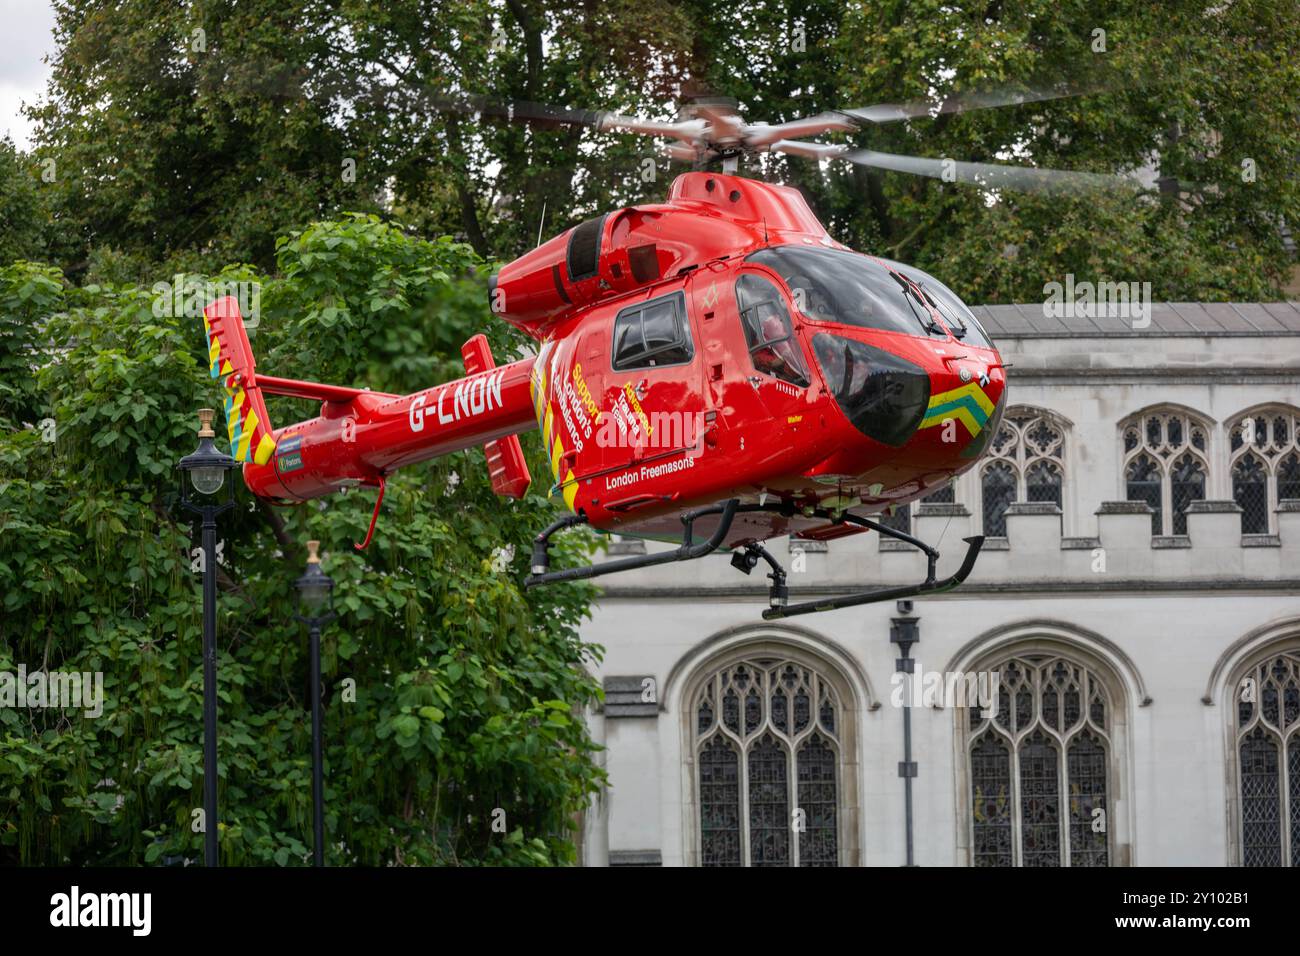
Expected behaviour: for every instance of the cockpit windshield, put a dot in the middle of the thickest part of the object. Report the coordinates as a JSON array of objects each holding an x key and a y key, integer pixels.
[{"x": 834, "y": 285}]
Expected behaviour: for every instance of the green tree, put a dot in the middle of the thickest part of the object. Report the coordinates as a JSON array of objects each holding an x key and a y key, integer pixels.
[
  {"x": 23, "y": 216},
  {"x": 195, "y": 133},
  {"x": 1194, "y": 87},
  {"x": 463, "y": 743},
  {"x": 166, "y": 153},
  {"x": 179, "y": 130}
]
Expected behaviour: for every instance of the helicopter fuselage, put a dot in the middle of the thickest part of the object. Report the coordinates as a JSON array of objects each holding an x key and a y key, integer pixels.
[{"x": 722, "y": 345}]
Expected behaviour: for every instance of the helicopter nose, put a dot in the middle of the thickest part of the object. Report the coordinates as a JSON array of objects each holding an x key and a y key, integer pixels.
[{"x": 883, "y": 395}]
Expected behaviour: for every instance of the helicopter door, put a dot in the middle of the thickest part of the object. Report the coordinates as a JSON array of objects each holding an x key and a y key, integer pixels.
[
  {"x": 653, "y": 392},
  {"x": 758, "y": 375}
]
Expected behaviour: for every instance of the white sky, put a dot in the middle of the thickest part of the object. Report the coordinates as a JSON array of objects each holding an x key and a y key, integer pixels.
[{"x": 28, "y": 39}]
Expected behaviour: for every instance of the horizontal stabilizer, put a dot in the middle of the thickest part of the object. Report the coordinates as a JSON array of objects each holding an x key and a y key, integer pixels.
[{"x": 312, "y": 390}]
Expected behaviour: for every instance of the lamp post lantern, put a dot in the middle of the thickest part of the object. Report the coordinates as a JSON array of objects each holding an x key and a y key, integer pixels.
[
  {"x": 315, "y": 593},
  {"x": 206, "y": 469}
]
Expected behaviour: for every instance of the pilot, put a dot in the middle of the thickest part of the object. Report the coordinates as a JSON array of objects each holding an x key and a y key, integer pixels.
[{"x": 779, "y": 357}]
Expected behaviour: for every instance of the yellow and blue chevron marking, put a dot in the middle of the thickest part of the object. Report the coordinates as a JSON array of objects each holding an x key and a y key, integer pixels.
[
  {"x": 967, "y": 404},
  {"x": 242, "y": 424}
]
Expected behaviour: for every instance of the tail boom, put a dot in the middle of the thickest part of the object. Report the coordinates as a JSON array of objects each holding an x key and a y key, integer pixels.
[
  {"x": 361, "y": 440},
  {"x": 361, "y": 436}
]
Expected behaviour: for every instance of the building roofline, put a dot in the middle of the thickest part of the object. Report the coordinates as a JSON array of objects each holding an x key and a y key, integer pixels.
[{"x": 1033, "y": 320}]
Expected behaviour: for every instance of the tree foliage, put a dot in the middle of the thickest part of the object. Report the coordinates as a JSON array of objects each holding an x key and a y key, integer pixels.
[
  {"x": 23, "y": 216},
  {"x": 465, "y": 692},
  {"x": 189, "y": 133},
  {"x": 167, "y": 152}
]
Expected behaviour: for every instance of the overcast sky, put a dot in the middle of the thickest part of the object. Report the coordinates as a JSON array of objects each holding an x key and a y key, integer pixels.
[{"x": 28, "y": 39}]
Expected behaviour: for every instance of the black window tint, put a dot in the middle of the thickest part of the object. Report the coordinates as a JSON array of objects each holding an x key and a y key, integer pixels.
[
  {"x": 659, "y": 325},
  {"x": 628, "y": 344},
  {"x": 769, "y": 332},
  {"x": 652, "y": 334},
  {"x": 832, "y": 285},
  {"x": 883, "y": 395}
]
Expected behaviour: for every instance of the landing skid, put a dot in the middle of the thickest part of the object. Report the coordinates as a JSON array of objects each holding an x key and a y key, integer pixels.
[{"x": 746, "y": 559}]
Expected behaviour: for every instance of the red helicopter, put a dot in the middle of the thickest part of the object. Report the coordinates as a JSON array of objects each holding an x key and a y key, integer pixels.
[{"x": 715, "y": 370}]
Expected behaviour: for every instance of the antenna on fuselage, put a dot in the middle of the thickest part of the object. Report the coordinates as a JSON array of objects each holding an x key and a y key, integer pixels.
[{"x": 542, "y": 223}]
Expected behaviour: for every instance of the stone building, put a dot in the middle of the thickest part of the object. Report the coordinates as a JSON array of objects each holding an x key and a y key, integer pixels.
[{"x": 1138, "y": 601}]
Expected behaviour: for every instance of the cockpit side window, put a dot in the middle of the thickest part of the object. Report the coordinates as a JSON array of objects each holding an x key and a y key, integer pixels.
[
  {"x": 653, "y": 334},
  {"x": 769, "y": 332}
]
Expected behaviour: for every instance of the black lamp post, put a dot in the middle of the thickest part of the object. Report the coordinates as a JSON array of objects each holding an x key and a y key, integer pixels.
[
  {"x": 201, "y": 495},
  {"x": 315, "y": 592},
  {"x": 904, "y": 631}
]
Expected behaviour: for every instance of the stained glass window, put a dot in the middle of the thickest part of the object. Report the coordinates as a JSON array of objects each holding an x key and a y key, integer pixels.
[
  {"x": 1186, "y": 484},
  {"x": 769, "y": 803},
  {"x": 1265, "y": 465},
  {"x": 817, "y": 766},
  {"x": 1143, "y": 482},
  {"x": 1267, "y": 701},
  {"x": 943, "y": 495},
  {"x": 1040, "y": 801},
  {"x": 1026, "y": 464},
  {"x": 1165, "y": 465},
  {"x": 1288, "y": 478},
  {"x": 899, "y": 520},
  {"x": 1250, "y": 491},
  {"x": 1043, "y": 482},
  {"x": 998, "y": 489},
  {"x": 720, "y": 803},
  {"x": 1039, "y": 767},
  {"x": 990, "y": 767},
  {"x": 1087, "y": 776},
  {"x": 783, "y": 743}
]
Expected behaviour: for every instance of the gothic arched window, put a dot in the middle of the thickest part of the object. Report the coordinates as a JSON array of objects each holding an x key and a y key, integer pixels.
[
  {"x": 1039, "y": 766},
  {"x": 997, "y": 492},
  {"x": 1025, "y": 463},
  {"x": 1267, "y": 738},
  {"x": 1264, "y": 461},
  {"x": 1165, "y": 465},
  {"x": 767, "y": 744}
]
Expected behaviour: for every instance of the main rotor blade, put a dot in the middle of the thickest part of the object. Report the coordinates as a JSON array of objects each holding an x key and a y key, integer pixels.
[
  {"x": 529, "y": 112},
  {"x": 995, "y": 175},
  {"x": 688, "y": 131},
  {"x": 469, "y": 104},
  {"x": 760, "y": 134},
  {"x": 965, "y": 103}
]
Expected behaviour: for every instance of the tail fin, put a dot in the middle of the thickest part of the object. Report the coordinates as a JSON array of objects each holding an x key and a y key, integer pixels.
[
  {"x": 505, "y": 456},
  {"x": 230, "y": 358}
]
